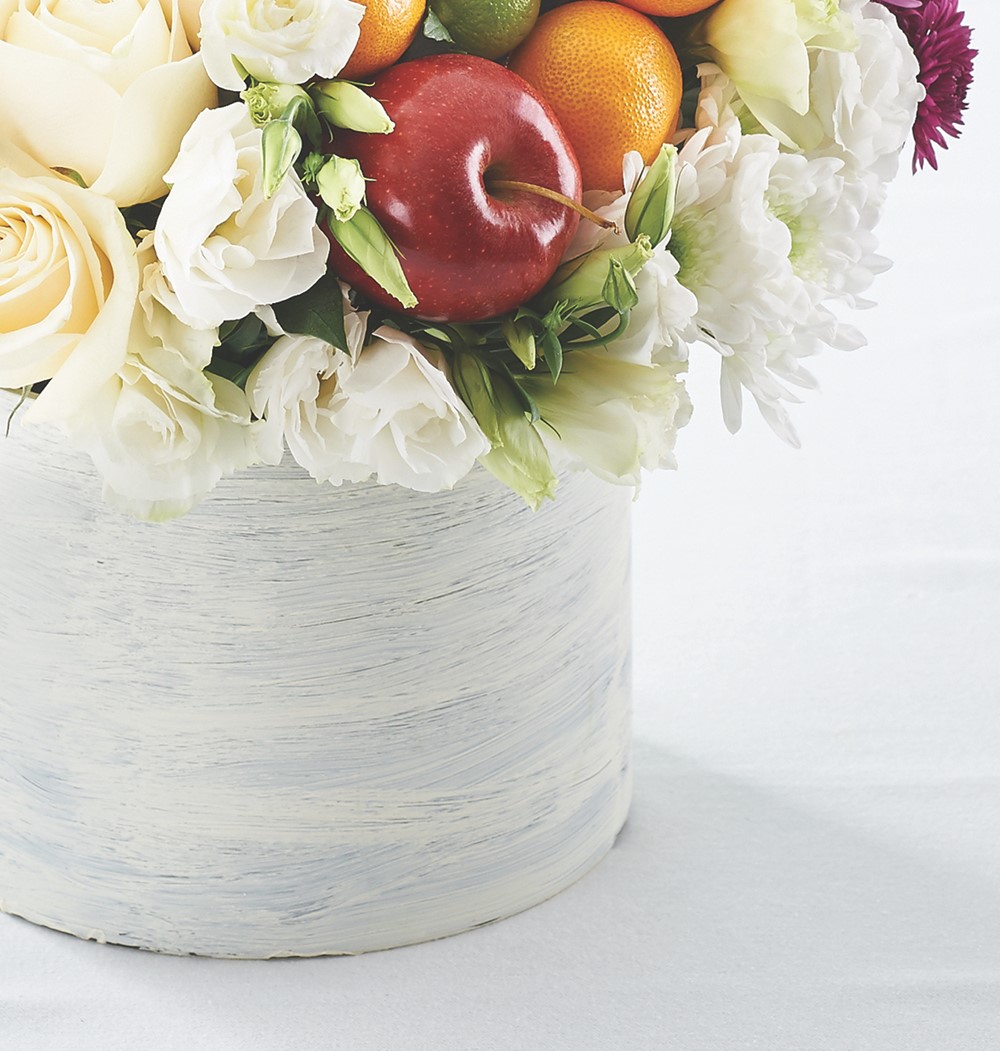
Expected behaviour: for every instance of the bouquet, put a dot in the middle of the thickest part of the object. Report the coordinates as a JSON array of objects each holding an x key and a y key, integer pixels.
[{"x": 394, "y": 240}]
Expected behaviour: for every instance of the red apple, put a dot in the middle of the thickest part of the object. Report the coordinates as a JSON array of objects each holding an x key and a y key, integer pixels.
[{"x": 469, "y": 250}]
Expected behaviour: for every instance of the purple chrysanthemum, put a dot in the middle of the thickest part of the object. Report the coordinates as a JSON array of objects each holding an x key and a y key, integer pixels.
[{"x": 942, "y": 43}]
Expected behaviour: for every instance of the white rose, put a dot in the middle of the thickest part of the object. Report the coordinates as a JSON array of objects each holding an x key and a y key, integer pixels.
[
  {"x": 392, "y": 413},
  {"x": 286, "y": 43},
  {"x": 162, "y": 431},
  {"x": 106, "y": 88},
  {"x": 612, "y": 417},
  {"x": 225, "y": 247},
  {"x": 68, "y": 282}
]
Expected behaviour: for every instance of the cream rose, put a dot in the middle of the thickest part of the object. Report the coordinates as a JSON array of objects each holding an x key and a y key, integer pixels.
[
  {"x": 225, "y": 247},
  {"x": 106, "y": 88},
  {"x": 68, "y": 284},
  {"x": 277, "y": 41},
  {"x": 161, "y": 431}
]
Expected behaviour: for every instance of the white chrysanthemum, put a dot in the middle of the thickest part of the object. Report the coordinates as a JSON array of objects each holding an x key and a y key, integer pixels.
[
  {"x": 162, "y": 432},
  {"x": 277, "y": 41},
  {"x": 768, "y": 241},
  {"x": 387, "y": 410},
  {"x": 225, "y": 247}
]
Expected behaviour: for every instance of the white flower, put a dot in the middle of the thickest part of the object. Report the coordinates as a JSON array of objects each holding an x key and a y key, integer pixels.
[
  {"x": 277, "y": 41},
  {"x": 763, "y": 46},
  {"x": 106, "y": 88},
  {"x": 389, "y": 411},
  {"x": 289, "y": 391},
  {"x": 68, "y": 283},
  {"x": 768, "y": 241},
  {"x": 162, "y": 431},
  {"x": 225, "y": 247},
  {"x": 867, "y": 100},
  {"x": 611, "y": 417}
]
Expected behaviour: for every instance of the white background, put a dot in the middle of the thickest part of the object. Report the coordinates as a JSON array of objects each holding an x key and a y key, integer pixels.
[{"x": 813, "y": 857}]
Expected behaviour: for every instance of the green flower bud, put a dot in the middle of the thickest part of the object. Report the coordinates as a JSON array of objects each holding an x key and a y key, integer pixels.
[
  {"x": 342, "y": 186},
  {"x": 345, "y": 105},
  {"x": 596, "y": 279},
  {"x": 651, "y": 208}
]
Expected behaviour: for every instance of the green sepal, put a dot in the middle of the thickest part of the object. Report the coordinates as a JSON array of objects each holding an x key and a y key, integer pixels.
[
  {"x": 364, "y": 240},
  {"x": 651, "y": 208}
]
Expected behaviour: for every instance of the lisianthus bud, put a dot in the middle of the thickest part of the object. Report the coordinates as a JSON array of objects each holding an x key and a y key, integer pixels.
[
  {"x": 585, "y": 283},
  {"x": 342, "y": 186},
  {"x": 345, "y": 105}
]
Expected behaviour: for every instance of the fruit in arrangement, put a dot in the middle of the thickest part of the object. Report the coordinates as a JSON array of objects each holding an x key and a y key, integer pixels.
[
  {"x": 472, "y": 245},
  {"x": 669, "y": 8},
  {"x": 489, "y": 28},
  {"x": 612, "y": 78},
  {"x": 387, "y": 30}
]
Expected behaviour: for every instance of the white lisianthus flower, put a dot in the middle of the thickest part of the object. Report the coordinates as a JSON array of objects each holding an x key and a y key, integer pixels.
[
  {"x": 68, "y": 283},
  {"x": 162, "y": 432},
  {"x": 289, "y": 387},
  {"x": 390, "y": 411},
  {"x": 225, "y": 247},
  {"x": 764, "y": 46},
  {"x": 285, "y": 43},
  {"x": 106, "y": 88},
  {"x": 611, "y": 417}
]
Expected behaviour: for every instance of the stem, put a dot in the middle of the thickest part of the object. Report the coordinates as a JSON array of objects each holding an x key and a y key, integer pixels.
[{"x": 553, "y": 195}]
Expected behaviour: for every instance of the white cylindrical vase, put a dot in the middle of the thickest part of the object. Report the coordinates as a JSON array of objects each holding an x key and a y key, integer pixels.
[{"x": 304, "y": 720}]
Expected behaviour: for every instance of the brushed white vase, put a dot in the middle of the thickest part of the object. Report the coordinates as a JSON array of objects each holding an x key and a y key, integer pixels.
[{"x": 302, "y": 720}]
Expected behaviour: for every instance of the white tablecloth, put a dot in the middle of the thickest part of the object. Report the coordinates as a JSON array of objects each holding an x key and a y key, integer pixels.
[{"x": 813, "y": 857}]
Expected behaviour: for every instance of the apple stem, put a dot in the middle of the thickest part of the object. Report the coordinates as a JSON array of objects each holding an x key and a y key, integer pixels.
[{"x": 553, "y": 195}]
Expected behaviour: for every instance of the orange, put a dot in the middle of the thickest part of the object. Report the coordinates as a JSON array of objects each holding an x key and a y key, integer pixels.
[
  {"x": 669, "y": 8},
  {"x": 612, "y": 78},
  {"x": 387, "y": 30}
]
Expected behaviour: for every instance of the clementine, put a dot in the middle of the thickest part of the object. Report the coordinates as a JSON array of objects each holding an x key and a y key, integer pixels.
[
  {"x": 387, "y": 30},
  {"x": 612, "y": 78},
  {"x": 669, "y": 8}
]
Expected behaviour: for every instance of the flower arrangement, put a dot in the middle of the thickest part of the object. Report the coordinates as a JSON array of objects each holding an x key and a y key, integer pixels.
[{"x": 396, "y": 240}]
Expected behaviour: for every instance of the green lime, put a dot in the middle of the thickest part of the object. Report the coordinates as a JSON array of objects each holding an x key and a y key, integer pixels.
[{"x": 488, "y": 28}]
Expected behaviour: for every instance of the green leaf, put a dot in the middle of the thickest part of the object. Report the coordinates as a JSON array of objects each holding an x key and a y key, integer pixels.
[
  {"x": 317, "y": 312},
  {"x": 435, "y": 29},
  {"x": 364, "y": 240},
  {"x": 280, "y": 146},
  {"x": 239, "y": 338},
  {"x": 651, "y": 208}
]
